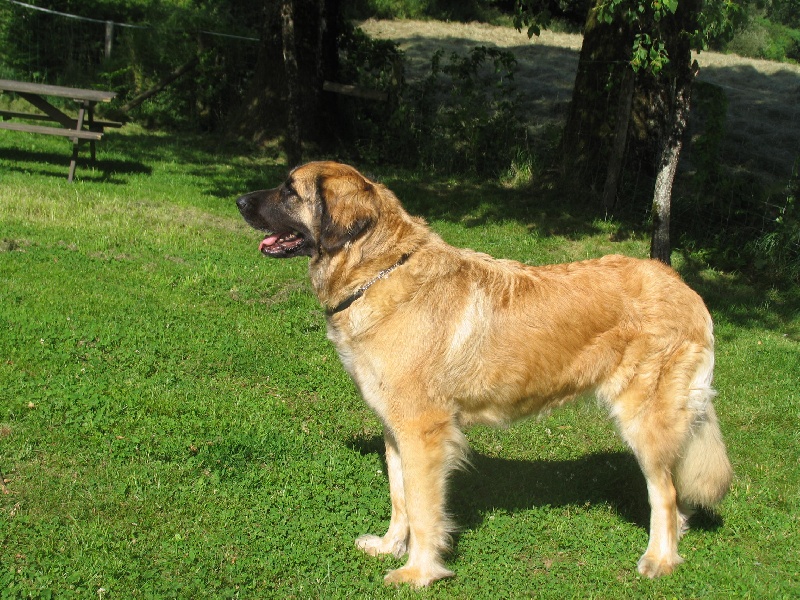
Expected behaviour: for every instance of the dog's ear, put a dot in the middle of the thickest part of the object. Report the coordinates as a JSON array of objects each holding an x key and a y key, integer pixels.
[{"x": 348, "y": 208}]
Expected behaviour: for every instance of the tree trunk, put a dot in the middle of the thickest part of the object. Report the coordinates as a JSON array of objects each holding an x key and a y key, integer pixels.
[
  {"x": 312, "y": 58},
  {"x": 615, "y": 163},
  {"x": 293, "y": 144},
  {"x": 677, "y": 77},
  {"x": 591, "y": 143},
  {"x": 589, "y": 131},
  {"x": 660, "y": 246},
  {"x": 259, "y": 117}
]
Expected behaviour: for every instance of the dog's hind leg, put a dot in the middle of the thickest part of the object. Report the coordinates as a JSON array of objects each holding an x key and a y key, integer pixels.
[
  {"x": 652, "y": 418},
  {"x": 430, "y": 446},
  {"x": 395, "y": 541}
]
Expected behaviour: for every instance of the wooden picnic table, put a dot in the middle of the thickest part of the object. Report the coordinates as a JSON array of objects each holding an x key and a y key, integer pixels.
[{"x": 80, "y": 128}]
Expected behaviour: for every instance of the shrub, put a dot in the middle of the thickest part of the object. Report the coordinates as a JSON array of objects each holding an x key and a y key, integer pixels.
[
  {"x": 468, "y": 111},
  {"x": 737, "y": 221},
  {"x": 763, "y": 38},
  {"x": 776, "y": 252},
  {"x": 463, "y": 117}
]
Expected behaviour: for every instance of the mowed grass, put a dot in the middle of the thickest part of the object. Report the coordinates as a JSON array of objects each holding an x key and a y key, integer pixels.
[{"x": 174, "y": 424}]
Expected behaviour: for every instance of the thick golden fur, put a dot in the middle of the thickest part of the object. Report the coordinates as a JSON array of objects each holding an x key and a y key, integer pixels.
[{"x": 451, "y": 337}]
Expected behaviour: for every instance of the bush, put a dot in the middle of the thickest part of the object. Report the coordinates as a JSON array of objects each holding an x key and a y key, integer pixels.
[
  {"x": 766, "y": 39},
  {"x": 445, "y": 10},
  {"x": 38, "y": 46},
  {"x": 785, "y": 12},
  {"x": 731, "y": 215},
  {"x": 463, "y": 117},
  {"x": 776, "y": 252}
]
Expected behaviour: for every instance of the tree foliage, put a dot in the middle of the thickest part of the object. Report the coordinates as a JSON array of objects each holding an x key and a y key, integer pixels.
[{"x": 785, "y": 12}]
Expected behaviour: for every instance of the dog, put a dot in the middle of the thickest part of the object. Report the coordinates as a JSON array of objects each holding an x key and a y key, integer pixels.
[{"x": 437, "y": 338}]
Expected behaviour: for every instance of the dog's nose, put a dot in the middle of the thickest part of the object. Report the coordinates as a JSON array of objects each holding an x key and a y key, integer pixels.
[{"x": 243, "y": 202}]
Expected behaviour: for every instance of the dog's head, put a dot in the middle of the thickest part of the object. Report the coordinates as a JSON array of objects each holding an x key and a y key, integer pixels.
[{"x": 320, "y": 208}]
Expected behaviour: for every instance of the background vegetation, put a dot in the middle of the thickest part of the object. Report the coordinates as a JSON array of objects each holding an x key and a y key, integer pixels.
[{"x": 464, "y": 116}]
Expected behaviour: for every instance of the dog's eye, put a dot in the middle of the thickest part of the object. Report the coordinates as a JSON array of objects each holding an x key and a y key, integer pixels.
[{"x": 288, "y": 194}]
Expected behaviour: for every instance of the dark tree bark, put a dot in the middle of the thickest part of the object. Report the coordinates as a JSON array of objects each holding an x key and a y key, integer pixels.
[
  {"x": 589, "y": 131},
  {"x": 265, "y": 110},
  {"x": 293, "y": 142},
  {"x": 260, "y": 116},
  {"x": 616, "y": 160}
]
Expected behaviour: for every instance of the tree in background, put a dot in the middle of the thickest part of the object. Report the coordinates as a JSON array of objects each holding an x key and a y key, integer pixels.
[
  {"x": 631, "y": 92},
  {"x": 297, "y": 52},
  {"x": 786, "y": 12},
  {"x": 235, "y": 50}
]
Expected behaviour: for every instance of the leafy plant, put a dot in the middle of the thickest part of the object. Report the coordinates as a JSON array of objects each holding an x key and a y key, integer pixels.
[
  {"x": 463, "y": 117},
  {"x": 733, "y": 216},
  {"x": 759, "y": 37},
  {"x": 777, "y": 251},
  {"x": 715, "y": 20},
  {"x": 465, "y": 113}
]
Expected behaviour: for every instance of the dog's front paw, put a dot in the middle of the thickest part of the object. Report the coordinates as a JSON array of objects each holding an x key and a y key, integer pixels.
[
  {"x": 376, "y": 546},
  {"x": 653, "y": 567},
  {"x": 415, "y": 576}
]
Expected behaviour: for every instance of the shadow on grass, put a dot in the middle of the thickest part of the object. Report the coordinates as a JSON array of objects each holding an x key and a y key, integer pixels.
[
  {"x": 226, "y": 170},
  {"x": 53, "y": 164},
  {"x": 743, "y": 303},
  {"x": 474, "y": 205},
  {"x": 495, "y": 483}
]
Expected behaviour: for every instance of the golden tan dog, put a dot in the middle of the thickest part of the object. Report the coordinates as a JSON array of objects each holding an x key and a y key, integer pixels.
[{"x": 437, "y": 338}]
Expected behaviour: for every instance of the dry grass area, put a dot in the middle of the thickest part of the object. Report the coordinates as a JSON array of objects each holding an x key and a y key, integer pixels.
[{"x": 763, "y": 126}]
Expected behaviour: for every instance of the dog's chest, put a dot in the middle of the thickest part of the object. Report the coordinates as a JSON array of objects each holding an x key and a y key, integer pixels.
[
  {"x": 344, "y": 348},
  {"x": 366, "y": 374}
]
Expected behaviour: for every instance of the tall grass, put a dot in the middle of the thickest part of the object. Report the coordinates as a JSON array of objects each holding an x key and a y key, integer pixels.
[{"x": 173, "y": 422}]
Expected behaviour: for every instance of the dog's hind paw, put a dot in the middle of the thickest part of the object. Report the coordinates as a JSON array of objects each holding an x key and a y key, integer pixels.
[
  {"x": 415, "y": 576},
  {"x": 377, "y": 546}
]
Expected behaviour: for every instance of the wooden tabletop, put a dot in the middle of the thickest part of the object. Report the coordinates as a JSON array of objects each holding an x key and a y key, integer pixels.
[{"x": 56, "y": 90}]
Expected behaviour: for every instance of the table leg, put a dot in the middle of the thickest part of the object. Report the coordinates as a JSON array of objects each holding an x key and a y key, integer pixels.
[
  {"x": 90, "y": 108},
  {"x": 75, "y": 145}
]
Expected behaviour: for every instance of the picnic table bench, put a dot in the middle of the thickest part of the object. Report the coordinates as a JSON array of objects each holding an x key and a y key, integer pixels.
[{"x": 80, "y": 128}]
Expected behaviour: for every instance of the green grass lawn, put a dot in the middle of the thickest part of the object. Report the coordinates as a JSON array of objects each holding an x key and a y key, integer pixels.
[{"x": 174, "y": 424}]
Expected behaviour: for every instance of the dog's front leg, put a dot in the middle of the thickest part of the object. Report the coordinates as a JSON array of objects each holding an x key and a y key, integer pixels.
[
  {"x": 429, "y": 446},
  {"x": 396, "y": 539}
]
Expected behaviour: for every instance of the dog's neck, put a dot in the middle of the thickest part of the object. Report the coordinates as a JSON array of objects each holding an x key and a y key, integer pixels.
[{"x": 345, "y": 304}]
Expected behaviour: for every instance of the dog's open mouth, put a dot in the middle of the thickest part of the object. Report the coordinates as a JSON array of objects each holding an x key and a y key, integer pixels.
[{"x": 281, "y": 243}]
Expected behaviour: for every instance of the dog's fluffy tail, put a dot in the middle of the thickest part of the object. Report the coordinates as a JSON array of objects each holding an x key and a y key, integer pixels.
[{"x": 703, "y": 473}]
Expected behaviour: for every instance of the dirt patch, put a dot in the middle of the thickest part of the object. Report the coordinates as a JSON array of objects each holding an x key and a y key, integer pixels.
[{"x": 763, "y": 125}]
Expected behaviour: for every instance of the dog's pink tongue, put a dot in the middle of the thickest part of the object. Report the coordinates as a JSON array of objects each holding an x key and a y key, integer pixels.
[{"x": 267, "y": 242}]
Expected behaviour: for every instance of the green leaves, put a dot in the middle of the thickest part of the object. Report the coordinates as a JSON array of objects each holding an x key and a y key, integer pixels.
[
  {"x": 648, "y": 54},
  {"x": 646, "y": 18},
  {"x": 532, "y": 14},
  {"x": 651, "y": 22}
]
